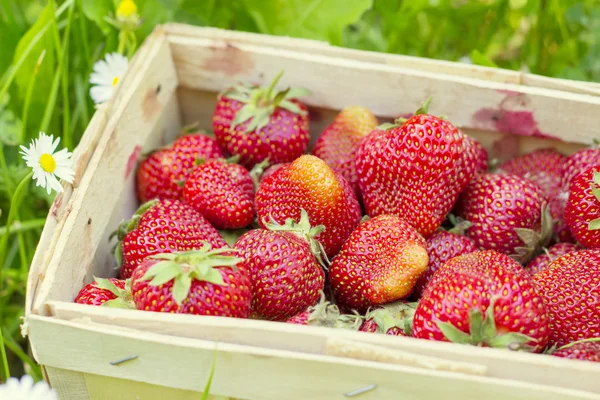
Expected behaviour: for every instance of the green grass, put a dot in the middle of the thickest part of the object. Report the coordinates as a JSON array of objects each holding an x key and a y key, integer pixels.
[{"x": 48, "y": 49}]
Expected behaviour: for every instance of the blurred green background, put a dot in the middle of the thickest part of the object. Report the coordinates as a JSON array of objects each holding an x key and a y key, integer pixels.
[{"x": 48, "y": 48}]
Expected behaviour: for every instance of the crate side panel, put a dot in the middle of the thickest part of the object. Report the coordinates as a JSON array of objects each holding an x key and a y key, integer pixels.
[
  {"x": 390, "y": 91},
  {"x": 143, "y": 98},
  {"x": 531, "y": 368},
  {"x": 68, "y": 384}
]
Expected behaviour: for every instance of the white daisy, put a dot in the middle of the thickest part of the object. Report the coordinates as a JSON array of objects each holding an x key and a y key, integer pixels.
[
  {"x": 47, "y": 165},
  {"x": 106, "y": 76},
  {"x": 26, "y": 389}
]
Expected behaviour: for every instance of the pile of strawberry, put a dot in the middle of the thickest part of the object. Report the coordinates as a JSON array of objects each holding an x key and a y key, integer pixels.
[{"x": 397, "y": 228}]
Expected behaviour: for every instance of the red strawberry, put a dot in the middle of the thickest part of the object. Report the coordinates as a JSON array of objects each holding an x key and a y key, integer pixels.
[
  {"x": 415, "y": 171},
  {"x": 270, "y": 171},
  {"x": 222, "y": 192},
  {"x": 442, "y": 246},
  {"x": 338, "y": 143},
  {"x": 159, "y": 175},
  {"x": 505, "y": 214},
  {"x": 327, "y": 314},
  {"x": 543, "y": 167},
  {"x": 161, "y": 227},
  {"x": 379, "y": 263},
  {"x": 582, "y": 213},
  {"x": 570, "y": 287},
  {"x": 482, "y": 298},
  {"x": 557, "y": 206},
  {"x": 542, "y": 261},
  {"x": 392, "y": 319},
  {"x": 582, "y": 350},
  {"x": 309, "y": 184},
  {"x": 578, "y": 162},
  {"x": 286, "y": 276},
  {"x": 480, "y": 155},
  {"x": 106, "y": 292},
  {"x": 202, "y": 282},
  {"x": 257, "y": 123}
]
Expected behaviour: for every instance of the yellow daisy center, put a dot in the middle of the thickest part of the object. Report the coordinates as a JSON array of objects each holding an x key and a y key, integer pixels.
[
  {"x": 47, "y": 162},
  {"x": 126, "y": 9},
  {"x": 115, "y": 81}
]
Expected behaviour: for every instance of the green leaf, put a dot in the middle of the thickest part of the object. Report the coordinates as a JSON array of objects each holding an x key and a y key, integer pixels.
[
  {"x": 181, "y": 288},
  {"x": 10, "y": 124},
  {"x": 214, "y": 276},
  {"x": 479, "y": 58},
  {"x": 313, "y": 19},
  {"x": 106, "y": 284},
  {"x": 120, "y": 302},
  {"x": 476, "y": 326},
  {"x": 295, "y": 93},
  {"x": 594, "y": 225},
  {"x": 512, "y": 340},
  {"x": 96, "y": 10},
  {"x": 46, "y": 71},
  {"x": 453, "y": 334},
  {"x": 162, "y": 272},
  {"x": 488, "y": 328}
]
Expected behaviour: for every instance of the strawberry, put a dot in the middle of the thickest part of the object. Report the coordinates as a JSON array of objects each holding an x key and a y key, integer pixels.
[
  {"x": 392, "y": 319},
  {"x": 106, "y": 292},
  {"x": 582, "y": 213},
  {"x": 222, "y": 192},
  {"x": 257, "y": 123},
  {"x": 581, "y": 350},
  {"x": 543, "y": 167},
  {"x": 327, "y": 314},
  {"x": 482, "y": 298},
  {"x": 576, "y": 163},
  {"x": 542, "y": 261},
  {"x": 309, "y": 184},
  {"x": 379, "y": 263},
  {"x": 570, "y": 287},
  {"x": 160, "y": 174},
  {"x": 338, "y": 143},
  {"x": 270, "y": 170},
  {"x": 557, "y": 206},
  {"x": 405, "y": 170},
  {"x": 159, "y": 227},
  {"x": 505, "y": 214},
  {"x": 286, "y": 276},
  {"x": 480, "y": 155},
  {"x": 442, "y": 246},
  {"x": 203, "y": 282}
]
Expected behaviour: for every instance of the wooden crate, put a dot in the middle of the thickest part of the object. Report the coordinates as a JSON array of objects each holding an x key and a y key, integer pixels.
[{"x": 172, "y": 81}]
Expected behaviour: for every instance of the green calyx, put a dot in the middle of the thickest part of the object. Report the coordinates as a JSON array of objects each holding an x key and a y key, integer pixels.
[
  {"x": 483, "y": 332},
  {"x": 303, "y": 229},
  {"x": 459, "y": 224},
  {"x": 183, "y": 267},
  {"x": 123, "y": 299},
  {"x": 327, "y": 314},
  {"x": 534, "y": 241},
  {"x": 594, "y": 224},
  {"x": 566, "y": 346},
  {"x": 257, "y": 171},
  {"x": 394, "y": 315},
  {"x": 127, "y": 226},
  {"x": 401, "y": 120},
  {"x": 261, "y": 102}
]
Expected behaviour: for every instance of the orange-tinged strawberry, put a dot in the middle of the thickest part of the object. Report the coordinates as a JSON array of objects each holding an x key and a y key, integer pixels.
[
  {"x": 415, "y": 171},
  {"x": 309, "y": 183},
  {"x": 483, "y": 298},
  {"x": 257, "y": 123},
  {"x": 338, "y": 143},
  {"x": 379, "y": 263},
  {"x": 582, "y": 213},
  {"x": 570, "y": 287}
]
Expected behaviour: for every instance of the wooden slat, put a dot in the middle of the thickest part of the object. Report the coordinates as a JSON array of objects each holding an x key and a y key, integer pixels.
[
  {"x": 139, "y": 111},
  {"x": 532, "y": 368},
  {"x": 69, "y": 385},
  {"x": 259, "y": 374},
  {"x": 211, "y": 65}
]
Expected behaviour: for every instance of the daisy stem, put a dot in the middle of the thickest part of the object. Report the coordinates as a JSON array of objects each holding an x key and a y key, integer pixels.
[
  {"x": 4, "y": 358},
  {"x": 122, "y": 42},
  {"x": 14, "y": 203}
]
